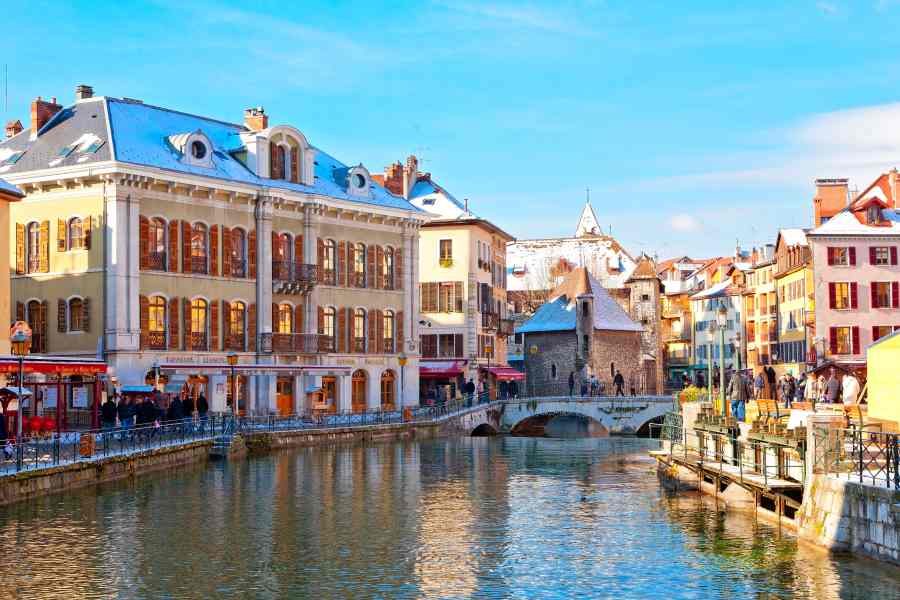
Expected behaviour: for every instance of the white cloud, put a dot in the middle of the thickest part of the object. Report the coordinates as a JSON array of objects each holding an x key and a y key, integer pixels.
[
  {"x": 684, "y": 223},
  {"x": 517, "y": 15},
  {"x": 829, "y": 8}
]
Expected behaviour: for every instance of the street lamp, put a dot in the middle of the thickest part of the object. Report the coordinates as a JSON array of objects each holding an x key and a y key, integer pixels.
[
  {"x": 722, "y": 321},
  {"x": 402, "y": 360},
  {"x": 21, "y": 345},
  {"x": 232, "y": 359}
]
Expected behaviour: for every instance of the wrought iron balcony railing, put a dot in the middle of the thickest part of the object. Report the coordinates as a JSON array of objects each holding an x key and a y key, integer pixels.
[
  {"x": 197, "y": 341},
  {"x": 156, "y": 261},
  {"x": 296, "y": 278},
  {"x": 490, "y": 320},
  {"x": 156, "y": 340},
  {"x": 199, "y": 264},
  {"x": 295, "y": 343}
]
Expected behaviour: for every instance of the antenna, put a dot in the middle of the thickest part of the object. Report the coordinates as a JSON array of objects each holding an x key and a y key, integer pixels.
[
  {"x": 5, "y": 90},
  {"x": 588, "y": 190}
]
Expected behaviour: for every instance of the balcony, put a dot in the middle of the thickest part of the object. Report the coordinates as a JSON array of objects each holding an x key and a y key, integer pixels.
[
  {"x": 296, "y": 278},
  {"x": 236, "y": 342},
  {"x": 238, "y": 268},
  {"x": 197, "y": 341},
  {"x": 676, "y": 335},
  {"x": 490, "y": 320},
  {"x": 156, "y": 340},
  {"x": 388, "y": 345},
  {"x": 359, "y": 345},
  {"x": 295, "y": 343},
  {"x": 156, "y": 261},
  {"x": 506, "y": 327},
  {"x": 327, "y": 277},
  {"x": 198, "y": 264}
]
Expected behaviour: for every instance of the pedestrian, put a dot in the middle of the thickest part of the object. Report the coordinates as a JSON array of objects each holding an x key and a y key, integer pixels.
[
  {"x": 584, "y": 388},
  {"x": 126, "y": 413},
  {"x": 739, "y": 391},
  {"x": 800, "y": 388},
  {"x": 470, "y": 387},
  {"x": 3, "y": 432},
  {"x": 619, "y": 382},
  {"x": 820, "y": 389},
  {"x": 175, "y": 412},
  {"x": 187, "y": 408},
  {"x": 760, "y": 384},
  {"x": 108, "y": 414},
  {"x": 571, "y": 383},
  {"x": 850, "y": 389},
  {"x": 811, "y": 393},
  {"x": 202, "y": 407},
  {"x": 832, "y": 388},
  {"x": 770, "y": 381},
  {"x": 595, "y": 384},
  {"x": 701, "y": 381},
  {"x": 513, "y": 389},
  {"x": 786, "y": 389}
]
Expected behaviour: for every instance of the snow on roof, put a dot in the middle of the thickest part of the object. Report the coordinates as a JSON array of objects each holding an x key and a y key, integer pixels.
[
  {"x": 845, "y": 223},
  {"x": 431, "y": 197},
  {"x": 541, "y": 264},
  {"x": 714, "y": 291},
  {"x": 794, "y": 236},
  {"x": 9, "y": 188}
]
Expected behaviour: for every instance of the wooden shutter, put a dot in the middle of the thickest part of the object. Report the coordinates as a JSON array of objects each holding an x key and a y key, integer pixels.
[
  {"x": 60, "y": 235},
  {"x": 855, "y": 336},
  {"x": 275, "y": 320},
  {"x": 854, "y": 297},
  {"x": 295, "y": 165},
  {"x": 61, "y": 315},
  {"x": 320, "y": 258},
  {"x": 299, "y": 319},
  {"x": 45, "y": 247},
  {"x": 379, "y": 267},
  {"x": 894, "y": 255},
  {"x": 251, "y": 254},
  {"x": 226, "y": 251},
  {"x": 45, "y": 316},
  {"x": 458, "y": 296},
  {"x": 852, "y": 253},
  {"x": 372, "y": 331},
  {"x": 20, "y": 249},
  {"x": 87, "y": 228},
  {"x": 173, "y": 324},
  {"x": 185, "y": 247},
  {"x": 86, "y": 314},
  {"x": 895, "y": 294},
  {"x": 320, "y": 320},
  {"x": 398, "y": 269},
  {"x": 871, "y": 255},
  {"x": 832, "y": 340},
  {"x": 273, "y": 161},
  {"x": 830, "y": 255},
  {"x": 20, "y": 311},
  {"x": 832, "y": 296},
  {"x": 379, "y": 332},
  {"x": 299, "y": 252},
  {"x": 458, "y": 345},
  {"x": 226, "y": 322},
  {"x": 341, "y": 333},
  {"x": 370, "y": 267},
  {"x": 251, "y": 327},
  {"x": 173, "y": 246},
  {"x": 186, "y": 311},
  {"x": 873, "y": 301},
  {"x": 214, "y": 325},
  {"x": 401, "y": 344},
  {"x": 144, "y": 303},
  {"x": 144, "y": 244},
  {"x": 214, "y": 250},
  {"x": 272, "y": 251},
  {"x": 341, "y": 262},
  {"x": 875, "y": 333}
]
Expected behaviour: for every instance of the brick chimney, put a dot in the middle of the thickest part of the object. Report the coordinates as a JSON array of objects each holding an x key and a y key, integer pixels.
[
  {"x": 83, "y": 92},
  {"x": 393, "y": 178},
  {"x": 256, "y": 119},
  {"x": 410, "y": 175},
  {"x": 832, "y": 196},
  {"x": 894, "y": 181},
  {"x": 13, "y": 128},
  {"x": 41, "y": 112}
]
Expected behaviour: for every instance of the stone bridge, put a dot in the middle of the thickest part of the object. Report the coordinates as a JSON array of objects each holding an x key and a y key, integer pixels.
[{"x": 608, "y": 414}]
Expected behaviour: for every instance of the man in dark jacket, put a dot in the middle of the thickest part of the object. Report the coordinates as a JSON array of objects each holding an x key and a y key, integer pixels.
[
  {"x": 187, "y": 407},
  {"x": 572, "y": 383},
  {"x": 176, "y": 410},
  {"x": 470, "y": 388},
  {"x": 108, "y": 413},
  {"x": 739, "y": 391},
  {"x": 126, "y": 412},
  {"x": 202, "y": 406},
  {"x": 619, "y": 382}
]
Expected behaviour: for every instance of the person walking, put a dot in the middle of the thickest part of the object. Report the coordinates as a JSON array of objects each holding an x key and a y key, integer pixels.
[
  {"x": 126, "y": 413},
  {"x": 832, "y": 388},
  {"x": 850, "y": 389},
  {"x": 619, "y": 382},
  {"x": 176, "y": 411},
  {"x": 571, "y": 383},
  {"x": 739, "y": 391},
  {"x": 770, "y": 381},
  {"x": 595, "y": 385},
  {"x": 513, "y": 389},
  {"x": 187, "y": 408},
  {"x": 820, "y": 389},
  {"x": 470, "y": 388},
  {"x": 760, "y": 384},
  {"x": 108, "y": 414}
]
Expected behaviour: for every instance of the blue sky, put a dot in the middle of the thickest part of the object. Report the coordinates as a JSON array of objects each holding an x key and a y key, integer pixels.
[{"x": 694, "y": 125}]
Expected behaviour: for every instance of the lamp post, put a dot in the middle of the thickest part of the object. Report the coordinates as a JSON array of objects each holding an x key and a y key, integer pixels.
[
  {"x": 709, "y": 373},
  {"x": 402, "y": 360},
  {"x": 722, "y": 321},
  {"x": 20, "y": 341},
  {"x": 232, "y": 359}
]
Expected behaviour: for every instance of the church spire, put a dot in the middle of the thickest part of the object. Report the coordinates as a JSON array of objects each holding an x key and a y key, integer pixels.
[{"x": 588, "y": 224}]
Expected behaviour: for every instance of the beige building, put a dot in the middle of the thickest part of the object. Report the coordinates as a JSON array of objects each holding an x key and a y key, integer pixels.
[
  {"x": 462, "y": 281},
  {"x": 8, "y": 194},
  {"x": 166, "y": 241}
]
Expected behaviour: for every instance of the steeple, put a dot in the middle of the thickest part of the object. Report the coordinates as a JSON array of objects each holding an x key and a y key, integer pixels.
[{"x": 587, "y": 224}]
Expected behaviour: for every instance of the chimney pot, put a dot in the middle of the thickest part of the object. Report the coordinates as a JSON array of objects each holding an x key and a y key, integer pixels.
[
  {"x": 13, "y": 128},
  {"x": 256, "y": 119},
  {"x": 83, "y": 92},
  {"x": 41, "y": 112}
]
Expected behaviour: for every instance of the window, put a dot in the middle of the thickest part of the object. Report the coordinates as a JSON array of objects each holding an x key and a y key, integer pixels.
[
  {"x": 387, "y": 268},
  {"x": 873, "y": 214},
  {"x": 76, "y": 233},
  {"x": 33, "y": 248},
  {"x": 883, "y": 295},
  {"x": 839, "y": 256},
  {"x": 842, "y": 343},
  {"x": 236, "y": 320},
  {"x": 444, "y": 296},
  {"x": 359, "y": 265},
  {"x": 156, "y": 323},
  {"x": 358, "y": 391},
  {"x": 328, "y": 319},
  {"x": 359, "y": 330},
  {"x": 552, "y": 371},
  {"x": 238, "y": 252},
  {"x": 881, "y": 256},
  {"x": 328, "y": 260},
  {"x": 285, "y": 323},
  {"x": 157, "y": 243},
  {"x": 198, "y": 149},
  {"x": 388, "y": 383},
  {"x": 879, "y": 331},
  {"x": 199, "y": 248},
  {"x": 446, "y": 253},
  {"x": 76, "y": 314},
  {"x": 359, "y": 181},
  {"x": 841, "y": 296},
  {"x": 388, "y": 327},
  {"x": 199, "y": 311},
  {"x": 645, "y": 297},
  {"x": 36, "y": 317}
]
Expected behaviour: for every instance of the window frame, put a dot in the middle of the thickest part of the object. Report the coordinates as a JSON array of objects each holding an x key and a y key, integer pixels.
[
  {"x": 33, "y": 250},
  {"x": 849, "y": 301},
  {"x": 73, "y": 241}
]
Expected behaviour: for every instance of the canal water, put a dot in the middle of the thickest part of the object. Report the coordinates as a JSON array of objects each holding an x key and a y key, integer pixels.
[{"x": 453, "y": 518}]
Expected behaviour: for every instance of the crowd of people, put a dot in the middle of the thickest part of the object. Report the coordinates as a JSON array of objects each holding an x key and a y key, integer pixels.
[{"x": 150, "y": 409}]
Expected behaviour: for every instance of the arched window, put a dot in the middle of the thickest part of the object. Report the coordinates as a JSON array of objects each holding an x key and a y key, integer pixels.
[
  {"x": 238, "y": 252},
  {"x": 388, "y": 390},
  {"x": 36, "y": 317},
  {"x": 552, "y": 371},
  {"x": 156, "y": 323},
  {"x": 76, "y": 314},
  {"x": 237, "y": 325},
  {"x": 358, "y": 396},
  {"x": 281, "y": 157},
  {"x": 359, "y": 330},
  {"x": 388, "y": 327},
  {"x": 586, "y": 340},
  {"x": 328, "y": 327},
  {"x": 157, "y": 239},
  {"x": 328, "y": 261},
  {"x": 199, "y": 248},
  {"x": 387, "y": 268},
  {"x": 76, "y": 233},
  {"x": 359, "y": 265},
  {"x": 281, "y": 257},
  {"x": 33, "y": 247},
  {"x": 199, "y": 324},
  {"x": 285, "y": 322}
]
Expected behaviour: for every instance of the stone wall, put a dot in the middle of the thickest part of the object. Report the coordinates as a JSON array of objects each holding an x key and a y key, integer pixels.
[
  {"x": 554, "y": 349},
  {"x": 621, "y": 349},
  {"x": 848, "y": 516}
]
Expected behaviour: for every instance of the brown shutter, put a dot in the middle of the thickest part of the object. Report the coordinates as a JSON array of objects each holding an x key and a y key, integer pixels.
[
  {"x": 226, "y": 251},
  {"x": 185, "y": 247},
  {"x": 45, "y": 315},
  {"x": 274, "y": 246},
  {"x": 214, "y": 325},
  {"x": 144, "y": 257},
  {"x": 320, "y": 319},
  {"x": 350, "y": 264},
  {"x": 45, "y": 247},
  {"x": 214, "y": 250},
  {"x": 299, "y": 252},
  {"x": 370, "y": 267},
  {"x": 173, "y": 246},
  {"x": 173, "y": 324},
  {"x": 86, "y": 314},
  {"x": 186, "y": 313},
  {"x": 298, "y": 319},
  {"x": 226, "y": 323},
  {"x": 341, "y": 333},
  {"x": 273, "y": 161},
  {"x": 320, "y": 258},
  {"x": 60, "y": 235},
  {"x": 401, "y": 344},
  {"x": 275, "y": 320},
  {"x": 61, "y": 315},
  {"x": 379, "y": 332},
  {"x": 251, "y": 327},
  {"x": 341, "y": 261},
  {"x": 20, "y": 311},
  {"x": 458, "y": 296},
  {"x": 20, "y": 249},
  {"x": 379, "y": 267},
  {"x": 87, "y": 228},
  {"x": 251, "y": 254},
  {"x": 398, "y": 269},
  {"x": 145, "y": 319},
  {"x": 372, "y": 331},
  {"x": 295, "y": 165}
]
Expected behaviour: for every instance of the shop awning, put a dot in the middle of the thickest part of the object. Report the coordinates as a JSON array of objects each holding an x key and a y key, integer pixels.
[
  {"x": 505, "y": 373},
  {"x": 137, "y": 389},
  {"x": 430, "y": 369},
  {"x": 55, "y": 365},
  {"x": 191, "y": 369}
]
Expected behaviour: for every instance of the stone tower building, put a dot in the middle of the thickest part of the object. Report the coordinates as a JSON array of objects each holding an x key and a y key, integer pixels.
[{"x": 645, "y": 307}]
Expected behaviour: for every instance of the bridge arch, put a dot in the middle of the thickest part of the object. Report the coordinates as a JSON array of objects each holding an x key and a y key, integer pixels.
[
  {"x": 535, "y": 425},
  {"x": 645, "y": 430},
  {"x": 484, "y": 430}
]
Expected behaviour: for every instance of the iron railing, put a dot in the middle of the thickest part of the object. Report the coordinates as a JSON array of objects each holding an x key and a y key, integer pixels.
[
  {"x": 855, "y": 454},
  {"x": 156, "y": 261},
  {"x": 156, "y": 340},
  {"x": 285, "y": 270},
  {"x": 292, "y": 343},
  {"x": 199, "y": 264}
]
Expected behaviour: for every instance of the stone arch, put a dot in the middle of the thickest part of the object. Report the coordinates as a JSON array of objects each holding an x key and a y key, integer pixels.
[
  {"x": 484, "y": 430},
  {"x": 535, "y": 425}
]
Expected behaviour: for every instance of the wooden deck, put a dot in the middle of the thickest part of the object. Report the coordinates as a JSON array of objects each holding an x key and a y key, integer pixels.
[{"x": 757, "y": 481}]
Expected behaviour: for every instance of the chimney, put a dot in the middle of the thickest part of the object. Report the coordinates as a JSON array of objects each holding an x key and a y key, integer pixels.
[
  {"x": 256, "y": 119},
  {"x": 894, "y": 179},
  {"x": 13, "y": 128},
  {"x": 466, "y": 200},
  {"x": 41, "y": 112},
  {"x": 410, "y": 174},
  {"x": 832, "y": 196},
  {"x": 393, "y": 178},
  {"x": 83, "y": 92}
]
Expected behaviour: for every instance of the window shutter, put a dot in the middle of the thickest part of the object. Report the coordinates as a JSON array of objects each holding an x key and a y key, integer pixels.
[
  {"x": 45, "y": 316},
  {"x": 275, "y": 244},
  {"x": 60, "y": 235},
  {"x": 299, "y": 319},
  {"x": 86, "y": 314},
  {"x": 20, "y": 311},
  {"x": 852, "y": 255},
  {"x": 370, "y": 267},
  {"x": 350, "y": 329},
  {"x": 830, "y": 255},
  {"x": 214, "y": 325},
  {"x": 372, "y": 333},
  {"x": 341, "y": 262},
  {"x": 226, "y": 322},
  {"x": 894, "y": 255},
  {"x": 398, "y": 269},
  {"x": 351, "y": 264},
  {"x": 341, "y": 333},
  {"x": 855, "y": 332},
  {"x": 173, "y": 246},
  {"x": 320, "y": 258},
  {"x": 458, "y": 345},
  {"x": 832, "y": 296},
  {"x": 172, "y": 318},
  {"x": 145, "y": 319},
  {"x": 275, "y": 319},
  {"x": 251, "y": 327},
  {"x": 379, "y": 268},
  {"x": 144, "y": 258},
  {"x": 226, "y": 251},
  {"x": 185, "y": 247},
  {"x": 458, "y": 293},
  {"x": 87, "y": 229},
  {"x": 45, "y": 247},
  {"x": 251, "y": 254},
  {"x": 832, "y": 337},
  {"x": 299, "y": 253},
  {"x": 273, "y": 161},
  {"x": 874, "y": 333},
  {"x": 401, "y": 343},
  {"x": 872, "y": 292},
  {"x": 214, "y": 250},
  {"x": 854, "y": 297},
  {"x": 379, "y": 332},
  {"x": 20, "y": 249},
  {"x": 61, "y": 315},
  {"x": 895, "y": 294},
  {"x": 320, "y": 320},
  {"x": 871, "y": 255},
  {"x": 186, "y": 310},
  {"x": 295, "y": 165}
]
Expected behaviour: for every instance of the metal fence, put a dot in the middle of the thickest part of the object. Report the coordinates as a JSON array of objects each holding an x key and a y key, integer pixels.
[{"x": 855, "y": 454}]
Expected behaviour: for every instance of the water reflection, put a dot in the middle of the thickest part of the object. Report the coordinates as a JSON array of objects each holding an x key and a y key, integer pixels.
[{"x": 485, "y": 517}]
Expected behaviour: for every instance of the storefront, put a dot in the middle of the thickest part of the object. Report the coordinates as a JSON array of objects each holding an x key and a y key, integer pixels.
[
  {"x": 503, "y": 382},
  {"x": 440, "y": 380}
]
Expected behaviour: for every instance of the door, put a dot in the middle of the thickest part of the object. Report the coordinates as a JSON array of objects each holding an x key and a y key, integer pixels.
[{"x": 285, "y": 396}]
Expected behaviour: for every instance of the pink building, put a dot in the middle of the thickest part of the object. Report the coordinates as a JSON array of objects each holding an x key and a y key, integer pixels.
[{"x": 856, "y": 274}]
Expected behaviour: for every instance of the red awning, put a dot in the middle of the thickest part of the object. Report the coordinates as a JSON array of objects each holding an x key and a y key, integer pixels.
[
  {"x": 505, "y": 373},
  {"x": 53, "y": 365},
  {"x": 440, "y": 369}
]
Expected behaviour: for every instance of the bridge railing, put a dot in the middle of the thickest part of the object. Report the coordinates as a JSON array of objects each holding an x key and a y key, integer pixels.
[{"x": 615, "y": 400}]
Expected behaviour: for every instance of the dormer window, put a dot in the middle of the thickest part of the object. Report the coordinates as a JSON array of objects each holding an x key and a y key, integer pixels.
[
  {"x": 198, "y": 150},
  {"x": 194, "y": 148},
  {"x": 358, "y": 181},
  {"x": 873, "y": 215}
]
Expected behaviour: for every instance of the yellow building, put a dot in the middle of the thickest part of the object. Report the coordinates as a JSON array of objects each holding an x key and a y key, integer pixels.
[
  {"x": 8, "y": 194},
  {"x": 793, "y": 285},
  {"x": 167, "y": 241},
  {"x": 760, "y": 314},
  {"x": 883, "y": 381}
]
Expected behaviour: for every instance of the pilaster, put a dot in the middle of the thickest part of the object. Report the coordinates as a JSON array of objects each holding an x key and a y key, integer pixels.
[{"x": 122, "y": 277}]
